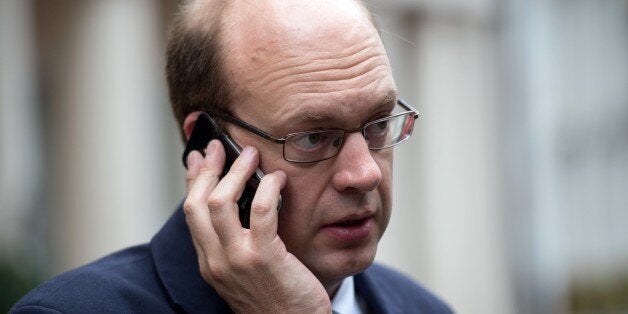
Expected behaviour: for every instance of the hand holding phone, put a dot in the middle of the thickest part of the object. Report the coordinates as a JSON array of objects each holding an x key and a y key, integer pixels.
[
  {"x": 205, "y": 130},
  {"x": 251, "y": 269}
]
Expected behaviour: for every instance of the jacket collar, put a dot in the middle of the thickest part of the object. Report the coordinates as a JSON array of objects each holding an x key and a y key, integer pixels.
[{"x": 177, "y": 266}]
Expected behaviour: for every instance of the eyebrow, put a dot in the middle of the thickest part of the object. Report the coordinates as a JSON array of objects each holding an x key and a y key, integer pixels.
[{"x": 387, "y": 102}]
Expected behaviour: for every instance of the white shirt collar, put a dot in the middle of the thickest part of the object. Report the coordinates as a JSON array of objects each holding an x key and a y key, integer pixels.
[{"x": 346, "y": 301}]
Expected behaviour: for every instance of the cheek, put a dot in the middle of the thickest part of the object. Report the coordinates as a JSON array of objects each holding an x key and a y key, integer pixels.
[
  {"x": 300, "y": 216},
  {"x": 302, "y": 193},
  {"x": 384, "y": 160},
  {"x": 385, "y": 187}
]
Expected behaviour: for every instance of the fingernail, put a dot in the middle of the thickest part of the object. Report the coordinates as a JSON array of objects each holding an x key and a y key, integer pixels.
[
  {"x": 193, "y": 158},
  {"x": 211, "y": 147},
  {"x": 283, "y": 176},
  {"x": 248, "y": 152}
]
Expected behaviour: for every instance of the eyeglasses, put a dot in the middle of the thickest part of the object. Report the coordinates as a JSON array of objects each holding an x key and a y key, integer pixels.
[{"x": 319, "y": 145}]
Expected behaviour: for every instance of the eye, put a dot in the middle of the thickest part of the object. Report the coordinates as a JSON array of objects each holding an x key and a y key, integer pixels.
[
  {"x": 382, "y": 125},
  {"x": 378, "y": 128},
  {"x": 309, "y": 141}
]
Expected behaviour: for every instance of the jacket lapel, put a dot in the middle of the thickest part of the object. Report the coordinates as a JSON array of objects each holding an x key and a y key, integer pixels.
[
  {"x": 377, "y": 297},
  {"x": 177, "y": 266}
]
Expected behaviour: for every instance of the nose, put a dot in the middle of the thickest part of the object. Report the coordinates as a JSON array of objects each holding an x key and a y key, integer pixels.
[{"x": 355, "y": 167}]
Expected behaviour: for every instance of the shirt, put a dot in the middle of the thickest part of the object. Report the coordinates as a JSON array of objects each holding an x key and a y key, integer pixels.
[{"x": 346, "y": 301}]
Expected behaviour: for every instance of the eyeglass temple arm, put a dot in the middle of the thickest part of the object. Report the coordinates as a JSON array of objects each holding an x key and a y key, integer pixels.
[
  {"x": 407, "y": 106},
  {"x": 229, "y": 118}
]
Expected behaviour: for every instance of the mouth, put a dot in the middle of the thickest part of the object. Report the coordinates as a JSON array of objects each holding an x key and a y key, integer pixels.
[
  {"x": 350, "y": 229},
  {"x": 351, "y": 222}
]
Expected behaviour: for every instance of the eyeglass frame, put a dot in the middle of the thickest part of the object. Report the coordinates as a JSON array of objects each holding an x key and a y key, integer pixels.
[{"x": 265, "y": 135}]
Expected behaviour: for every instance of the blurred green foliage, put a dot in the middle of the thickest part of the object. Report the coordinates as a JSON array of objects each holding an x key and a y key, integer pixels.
[
  {"x": 16, "y": 279},
  {"x": 600, "y": 296}
]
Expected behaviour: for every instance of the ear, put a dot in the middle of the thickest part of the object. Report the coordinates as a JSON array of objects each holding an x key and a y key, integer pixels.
[{"x": 189, "y": 123}]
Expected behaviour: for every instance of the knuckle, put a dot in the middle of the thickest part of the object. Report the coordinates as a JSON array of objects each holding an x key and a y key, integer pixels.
[
  {"x": 217, "y": 274},
  {"x": 189, "y": 177},
  {"x": 260, "y": 207},
  {"x": 188, "y": 208},
  {"x": 216, "y": 201},
  {"x": 206, "y": 172},
  {"x": 245, "y": 261}
]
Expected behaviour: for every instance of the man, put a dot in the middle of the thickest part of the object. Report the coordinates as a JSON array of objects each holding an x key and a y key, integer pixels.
[{"x": 314, "y": 79}]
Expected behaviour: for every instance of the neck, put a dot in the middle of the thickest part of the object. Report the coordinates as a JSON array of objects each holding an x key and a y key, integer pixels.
[{"x": 333, "y": 288}]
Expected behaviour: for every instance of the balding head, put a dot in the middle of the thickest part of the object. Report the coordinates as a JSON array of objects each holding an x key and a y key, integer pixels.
[
  {"x": 205, "y": 30},
  {"x": 262, "y": 32}
]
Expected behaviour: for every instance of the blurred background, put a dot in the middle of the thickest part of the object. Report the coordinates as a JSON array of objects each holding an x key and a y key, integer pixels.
[{"x": 512, "y": 196}]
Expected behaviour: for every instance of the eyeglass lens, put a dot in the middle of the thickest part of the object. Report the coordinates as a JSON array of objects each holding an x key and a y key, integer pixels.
[{"x": 320, "y": 145}]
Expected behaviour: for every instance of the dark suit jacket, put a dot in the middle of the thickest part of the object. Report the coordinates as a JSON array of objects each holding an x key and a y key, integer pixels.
[{"x": 163, "y": 277}]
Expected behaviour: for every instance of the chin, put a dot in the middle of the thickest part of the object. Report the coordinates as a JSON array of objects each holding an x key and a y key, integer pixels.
[{"x": 334, "y": 266}]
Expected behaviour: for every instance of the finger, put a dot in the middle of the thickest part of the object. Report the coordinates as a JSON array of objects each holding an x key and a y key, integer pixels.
[
  {"x": 208, "y": 171},
  {"x": 207, "y": 254},
  {"x": 215, "y": 158},
  {"x": 264, "y": 216},
  {"x": 195, "y": 206},
  {"x": 195, "y": 163},
  {"x": 222, "y": 202},
  {"x": 211, "y": 165}
]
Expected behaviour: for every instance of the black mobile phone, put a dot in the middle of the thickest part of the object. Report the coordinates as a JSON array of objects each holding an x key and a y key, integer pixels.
[{"x": 206, "y": 130}]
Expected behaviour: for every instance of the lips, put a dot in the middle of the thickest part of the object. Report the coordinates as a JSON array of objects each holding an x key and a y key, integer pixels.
[{"x": 351, "y": 229}]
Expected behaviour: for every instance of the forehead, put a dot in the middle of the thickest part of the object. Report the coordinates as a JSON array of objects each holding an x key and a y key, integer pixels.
[
  {"x": 270, "y": 21},
  {"x": 333, "y": 114},
  {"x": 305, "y": 60}
]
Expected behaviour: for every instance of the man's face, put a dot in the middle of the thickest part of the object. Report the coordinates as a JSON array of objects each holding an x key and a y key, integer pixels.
[{"x": 317, "y": 66}]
